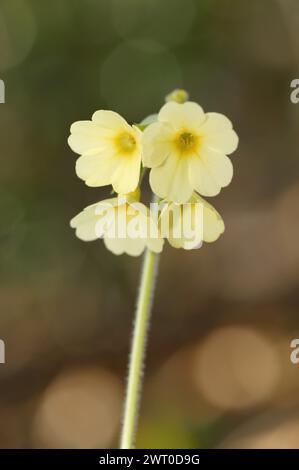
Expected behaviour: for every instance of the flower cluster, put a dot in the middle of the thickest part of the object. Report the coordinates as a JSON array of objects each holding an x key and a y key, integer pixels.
[{"x": 185, "y": 151}]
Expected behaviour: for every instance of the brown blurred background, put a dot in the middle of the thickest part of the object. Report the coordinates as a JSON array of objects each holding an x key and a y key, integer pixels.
[{"x": 218, "y": 367}]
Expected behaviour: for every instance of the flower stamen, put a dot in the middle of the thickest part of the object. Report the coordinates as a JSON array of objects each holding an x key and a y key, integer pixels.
[
  {"x": 186, "y": 142},
  {"x": 126, "y": 142}
]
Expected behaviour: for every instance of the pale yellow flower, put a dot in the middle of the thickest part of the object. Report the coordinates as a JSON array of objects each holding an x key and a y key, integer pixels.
[
  {"x": 195, "y": 222},
  {"x": 110, "y": 149},
  {"x": 187, "y": 150},
  {"x": 124, "y": 223}
]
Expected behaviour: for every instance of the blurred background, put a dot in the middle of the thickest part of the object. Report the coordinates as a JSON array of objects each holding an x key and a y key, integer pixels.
[{"x": 218, "y": 367}]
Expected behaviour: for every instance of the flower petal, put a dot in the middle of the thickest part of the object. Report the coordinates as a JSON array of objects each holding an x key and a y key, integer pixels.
[
  {"x": 155, "y": 144},
  {"x": 218, "y": 134},
  {"x": 220, "y": 166},
  {"x": 86, "y": 136},
  {"x": 109, "y": 120},
  {"x": 182, "y": 225},
  {"x": 155, "y": 244},
  {"x": 125, "y": 178},
  {"x": 188, "y": 114},
  {"x": 97, "y": 169},
  {"x": 210, "y": 172},
  {"x": 171, "y": 180},
  {"x": 118, "y": 246},
  {"x": 85, "y": 223},
  {"x": 106, "y": 204},
  {"x": 213, "y": 225}
]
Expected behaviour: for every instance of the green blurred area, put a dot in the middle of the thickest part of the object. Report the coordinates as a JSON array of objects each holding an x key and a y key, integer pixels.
[{"x": 66, "y": 307}]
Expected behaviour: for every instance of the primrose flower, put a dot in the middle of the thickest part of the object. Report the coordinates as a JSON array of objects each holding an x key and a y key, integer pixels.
[
  {"x": 188, "y": 225},
  {"x": 124, "y": 223},
  {"x": 187, "y": 150},
  {"x": 110, "y": 151}
]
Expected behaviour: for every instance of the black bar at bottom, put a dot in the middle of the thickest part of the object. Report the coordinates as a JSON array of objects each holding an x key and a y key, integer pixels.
[{"x": 141, "y": 457}]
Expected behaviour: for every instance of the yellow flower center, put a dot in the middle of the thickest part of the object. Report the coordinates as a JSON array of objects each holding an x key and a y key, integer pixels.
[
  {"x": 186, "y": 142},
  {"x": 126, "y": 142}
]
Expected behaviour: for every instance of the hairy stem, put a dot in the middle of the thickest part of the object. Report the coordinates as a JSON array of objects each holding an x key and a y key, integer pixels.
[{"x": 136, "y": 363}]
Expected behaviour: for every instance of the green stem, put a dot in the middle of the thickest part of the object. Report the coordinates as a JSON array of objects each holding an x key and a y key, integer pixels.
[{"x": 136, "y": 363}]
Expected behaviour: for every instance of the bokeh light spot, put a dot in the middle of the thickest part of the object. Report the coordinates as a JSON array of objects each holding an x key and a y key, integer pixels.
[
  {"x": 17, "y": 32},
  {"x": 236, "y": 367},
  {"x": 80, "y": 409}
]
